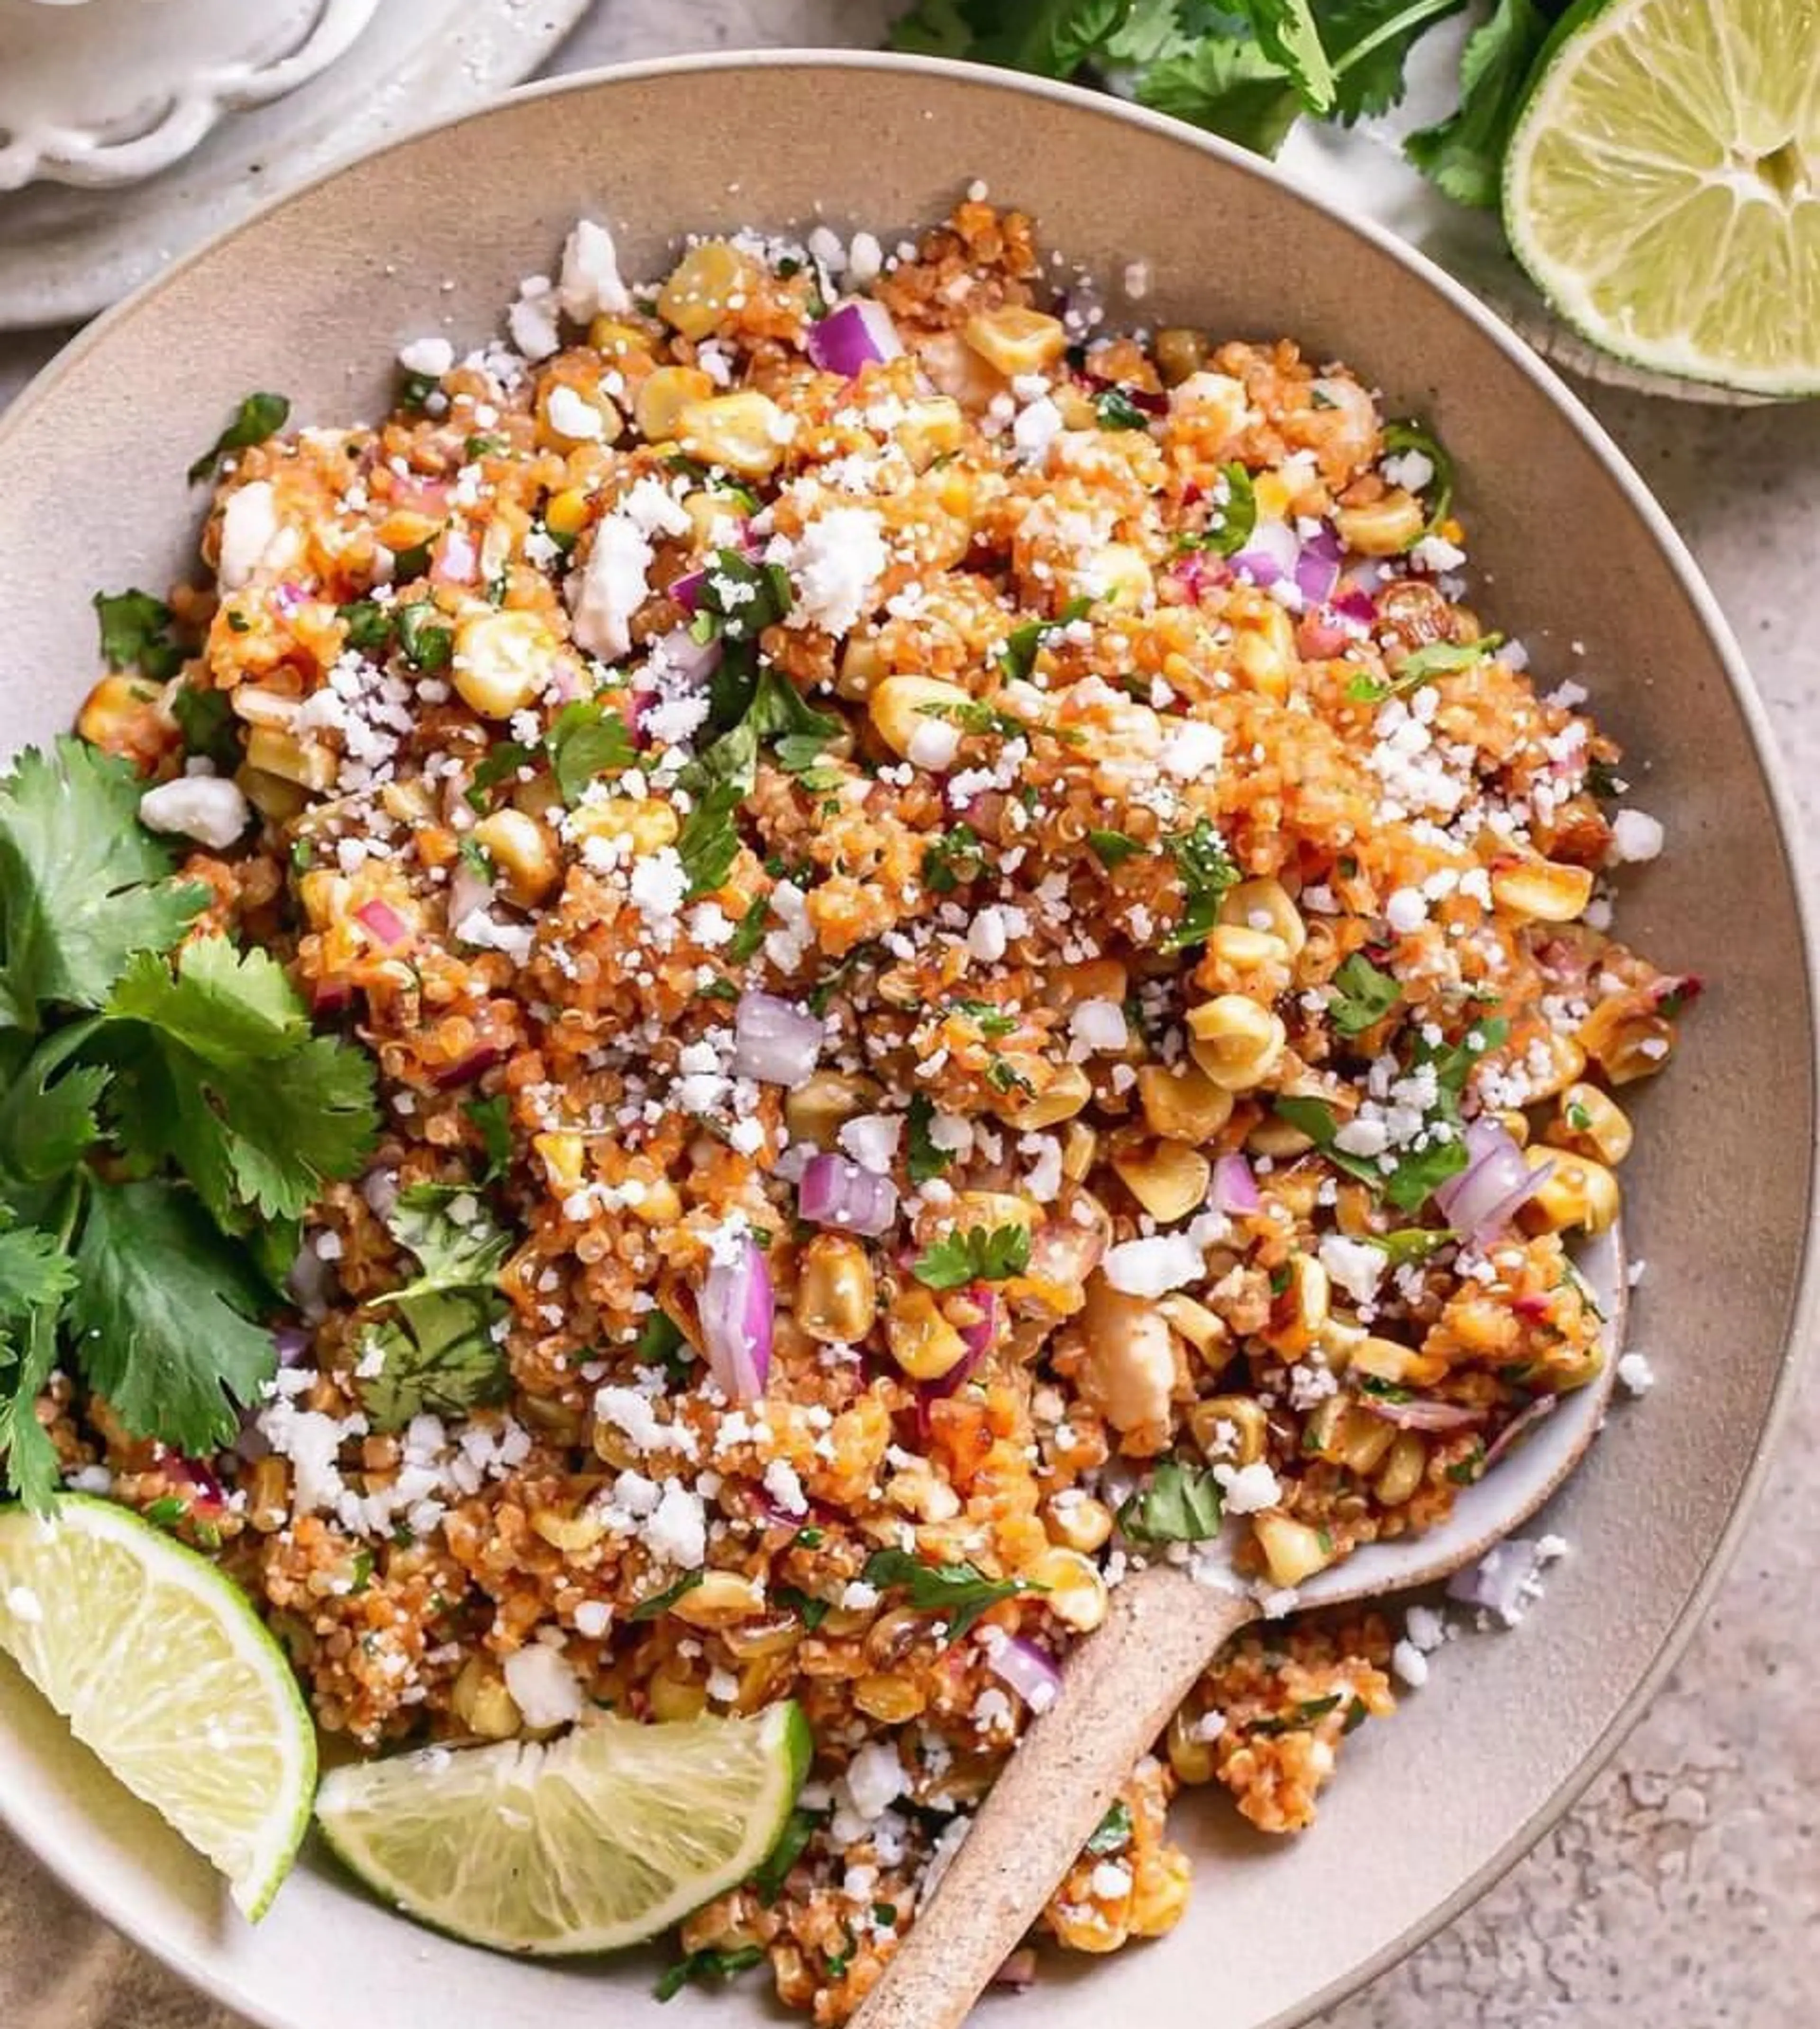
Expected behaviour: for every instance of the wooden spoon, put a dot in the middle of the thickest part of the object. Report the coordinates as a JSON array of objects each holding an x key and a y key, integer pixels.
[{"x": 1121, "y": 1685}]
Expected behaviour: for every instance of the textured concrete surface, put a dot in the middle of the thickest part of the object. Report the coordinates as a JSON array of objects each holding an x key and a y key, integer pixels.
[{"x": 1685, "y": 1886}]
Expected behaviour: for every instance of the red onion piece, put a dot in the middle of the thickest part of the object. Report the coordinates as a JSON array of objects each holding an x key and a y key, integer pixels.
[
  {"x": 330, "y": 996},
  {"x": 456, "y": 560},
  {"x": 857, "y": 334},
  {"x": 1483, "y": 1198},
  {"x": 468, "y": 892},
  {"x": 291, "y": 1342},
  {"x": 1352, "y": 601},
  {"x": 839, "y": 1194},
  {"x": 1422, "y": 1415},
  {"x": 687, "y": 589},
  {"x": 1271, "y": 554},
  {"x": 464, "y": 1070},
  {"x": 1317, "y": 568},
  {"x": 1235, "y": 1188},
  {"x": 680, "y": 656},
  {"x": 736, "y": 1311},
  {"x": 287, "y": 597},
  {"x": 384, "y": 923},
  {"x": 1525, "y": 1419},
  {"x": 774, "y": 1042},
  {"x": 310, "y": 1283},
  {"x": 1030, "y": 1672}
]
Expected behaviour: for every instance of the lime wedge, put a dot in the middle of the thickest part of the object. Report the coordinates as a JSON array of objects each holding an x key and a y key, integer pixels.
[
  {"x": 162, "y": 1666},
  {"x": 602, "y": 1839},
  {"x": 1663, "y": 186}
]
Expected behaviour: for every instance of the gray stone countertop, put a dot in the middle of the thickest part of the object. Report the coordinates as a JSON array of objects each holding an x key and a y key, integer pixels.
[{"x": 1685, "y": 1886}]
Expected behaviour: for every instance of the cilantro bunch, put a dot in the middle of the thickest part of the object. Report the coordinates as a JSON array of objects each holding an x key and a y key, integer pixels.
[
  {"x": 1249, "y": 69},
  {"x": 166, "y": 1117}
]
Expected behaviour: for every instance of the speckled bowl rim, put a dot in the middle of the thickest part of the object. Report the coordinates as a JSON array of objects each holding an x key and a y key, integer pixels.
[{"x": 1804, "y": 1309}]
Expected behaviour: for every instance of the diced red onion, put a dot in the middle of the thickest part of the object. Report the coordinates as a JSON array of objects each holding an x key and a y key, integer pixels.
[
  {"x": 380, "y": 1190},
  {"x": 1019, "y": 1971},
  {"x": 310, "y": 1283},
  {"x": 1270, "y": 554},
  {"x": 1525, "y": 1419},
  {"x": 857, "y": 334},
  {"x": 736, "y": 1312},
  {"x": 468, "y": 892},
  {"x": 1421, "y": 1415},
  {"x": 1317, "y": 567},
  {"x": 190, "y": 1472},
  {"x": 1499, "y": 1581},
  {"x": 330, "y": 996},
  {"x": 1353, "y": 601},
  {"x": 1483, "y": 1198},
  {"x": 1200, "y": 572},
  {"x": 774, "y": 1042},
  {"x": 456, "y": 562},
  {"x": 1030, "y": 1672},
  {"x": 838, "y": 1193},
  {"x": 286, "y": 598},
  {"x": 679, "y": 655},
  {"x": 291, "y": 1342},
  {"x": 1235, "y": 1188},
  {"x": 464, "y": 1070},
  {"x": 384, "y": 923},
  {"x": 687, "y": 589}
]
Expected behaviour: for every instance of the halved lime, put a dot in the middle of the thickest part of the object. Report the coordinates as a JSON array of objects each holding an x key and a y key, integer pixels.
[
  {"x": 599, "y": 1840},
  {"x": 1663, "y": 186},
  {"x": 162, "y": 1666}
]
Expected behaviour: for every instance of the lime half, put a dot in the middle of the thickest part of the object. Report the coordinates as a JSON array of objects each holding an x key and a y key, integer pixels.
[
  {"x": 602, "y": 1839},
  {"x": 160, "y": 1665},
  {"x": 1663, "y": 186}
]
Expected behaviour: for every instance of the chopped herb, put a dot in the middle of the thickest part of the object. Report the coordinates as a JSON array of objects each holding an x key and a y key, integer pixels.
[
  {"x": 974, "y": 1254},
  {"x": 412, "y": 563},
  {"x": 1113, "y": 1832},
  {"x": 954, "y": 858},
  {"x": 167, "y": 1512},
  {"x": 1363, "y": 996},
  {"x": 750, "y": 934},
  {"x": 1385, "y": 1391},
  {"x": 484, "y": 445},
  {"x": 1603, "y": 781},
  {"x": 1356, "y": 1715},
  {"x": 500, "y": 761},
  {"x": 740, "y": 599},
  {"x": 1114, "y": 848},
  {"x": 1577, "y": 1118},
  {"x": 303, "y": 853},
  {"x": 721, "y": 779},
  {"x": 884, "y": 1915},
  {"x": 773, "y": 1870},
  {"x": 706, "y": 1965},
  {"x": 491, "y": 1119},
  {"x": 205, "y": 719},
  {"x": 1018, "y": 656},
  {"x": 1464, "y": 1471},
  {"x": 1401, "y": 438},
  {"x": 1118, "y": 411},
  {"x": 1300, "y": 1718},
  {"x": 586, "y": 739},
  {"x": 426, "y": 641},
  {"x": 810, "y": 1610},
  {"x": 1231, "y": 515},
  {"x": 991, "y": 1020},
  {"x": 1438, "y": 659},
  {"x": 1207, "y": 873},
  {"x": 1181, "y": 1505},
  {"x": 811, "y": 1539},
  {"x": 662, "y": 1602},
  {"x": 960, "y": 1591},
  {"x": 368, "y": 625},
  {"x": 925, "y": 1159},
  {"x": 135, "y": 633},
  {"x": 416, "y": 389},
  {"x": 475, "y": 857},
  {"x": 1411, "y": 1245},
  {"x": 258, "y": 417},
  {"x": 363, "y": 1569}
]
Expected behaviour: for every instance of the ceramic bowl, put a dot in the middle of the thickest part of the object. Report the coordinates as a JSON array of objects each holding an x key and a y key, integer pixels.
[
  {"x": 313, "y": 297},
  {"x": 110, "y": 91}
]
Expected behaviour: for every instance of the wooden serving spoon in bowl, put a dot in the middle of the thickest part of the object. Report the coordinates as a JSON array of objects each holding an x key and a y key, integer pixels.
[{"x": 1122, "y": 1683}]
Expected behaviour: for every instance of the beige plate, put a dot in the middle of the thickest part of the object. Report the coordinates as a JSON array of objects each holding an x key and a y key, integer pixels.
[{"x": 312, "y": 297}]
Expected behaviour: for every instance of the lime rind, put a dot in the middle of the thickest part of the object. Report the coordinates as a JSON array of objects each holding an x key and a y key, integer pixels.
[
  {"x": 597, "y": 1841},
  {"x": 1662, "y": 187},
  {"x": 165, "y": 1672}
]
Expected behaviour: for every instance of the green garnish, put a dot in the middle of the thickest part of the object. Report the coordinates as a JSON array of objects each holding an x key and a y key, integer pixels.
[
  {"x": 427, "y": 642},
  {"x": 491, "y": 1119},
  {"x": 258, "y": 417},
  {"x": 1018, "y": 656},
  {"x": 954, "y": 858},
  {"x": 1363, "y": 996},
  {"x": 504, "y": 758},
  {"x": 1231, "y": 516},
  {"x": 1207, "y": 874},
  {"x": 799, "y": 1828},
  {"x": 1179, "y": 1504},
  {"x": 588, "y": 739},
  {"x": 1438, "y": 659},
  {"x": 135, "y": 633},
  {"x": 1399, "y": 438},
  {"x": 706, "y": 1965},
  {"x": 1114, "y": 848},
  {"x": 368, "y": 625},
  {"x": 925, "y": 1160},
  {"x": 973, "y": 1254},
  {"x": 662, "y": 1602},
  {"x": 739, "y": 598},
  {"x": 960, "y": 1591},
  {"x": 1118, "y": 411},
  {"x": 1113, "y": 1833}
]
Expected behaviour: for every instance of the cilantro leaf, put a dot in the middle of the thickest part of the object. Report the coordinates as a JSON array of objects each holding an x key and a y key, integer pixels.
[
  {"x": 46, "y": 1121},
  {"x": 491, "y": 1119},
  {"x": 1287, "y": 33},
  {"x": 1231, "y": 515},
  {"x": 960, "y": 1591},
  {"x": 205, "y": 719},
  {"x": 1207, "y": 873},
  {"x": 258, "y": 417},
  {"x": 656, "y": 1603},
  {"x": 1017, "y": 658},
  {"x": 166, "y": 1314},
  {"x": 925, "y": 1159},
  {"x": 135, "y": 633},
  {"x": 739, "y": 598},
  {"x": 440, "y": 1356},
  {"x": 83, "y": 884},
  {"x": 1179, "y": 1504},
  {"x": 1114, "y": 848},
  {"x": 773, "y": 1870},
  {"x": 1411, "y": 1245},
  {"x": 1369, "y": 43},
  {"x": 721, "y": 779},
  {"x": 707, "y": 1965},
  {"x": 25, "y": 1368},
  {"x": 1363, "y": 996},
  {"x": 973, "y": 1254},
  {"x": 1113, "y": 1834},
  {"x": 368, "y": 625},
  {"x": 1464, "y": 154},
  {"x": 1438, "y": 659},
  {"x": 1118, "y": 411},
  {"x": 503, "y": 758},
  {"x": 1407, "y": 436},
  {"x": 425, "y": 639},
  {"x": 228, "y": 1082},
  {"x": 586, "y": 740},
  {"x": 35, "y": 1271},
  {"x": 1228, "y": 86},
  {"x": 954, "y": 858},
  {"x": 750, "y": 934}
]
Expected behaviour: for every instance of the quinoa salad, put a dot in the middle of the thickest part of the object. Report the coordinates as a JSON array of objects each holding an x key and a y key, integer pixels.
[{"x": 913, "y": 951}]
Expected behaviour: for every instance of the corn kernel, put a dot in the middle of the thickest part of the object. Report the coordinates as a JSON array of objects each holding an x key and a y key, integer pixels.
[
  {"x": 566, "y": 513},
  {"x": 900, "y": 707},
  {"x": 1236, "y": 1040},
  {"x": 276, "y": 799},
  {"x": 1204, "y": 1330},
  {"x": 922, "y": 1341},
  {"x": 1271, "y": 491},
  {"x": 1292, "y": 1551},
  {"x": 743, "y": 432},
  {"x": 1591, "y": 1123},
  {"x": 1078, "y": 1521},
  {"x": 892, "y": 1700},
  {"x": 306, "y": 762},
  {"x": 1169, "y": 1179},
  {"x": 1190, "y": 1757},
  {"x": 933, "y": 427},
  {"x": 1231, "y": 1430},
  {"x": 673, "y": 1697},
  {"x": 648, "y": 821},
  {"x": 570, "y": 1533},
  {"x": 616, "y": 338},
  {"x": 562, "y": 1155},
  {"x": 819, "y": 1107},
  {"x": 522, "y": 852},
  {"x": 1067, "y": 1095},
  {"x": 1384, "y": 529},
  {"x": 1182, "y": 1102},
  {"x": 1076, "y": 1591},
  {"x": 1266, "y": 906},
  {"x": 836, "y": 1294},
  {"x": 1080, "y": 1146},
  {"x": 1579, "y": 1193},
  {"x": 1016, "y": 340},
  {"x": 664, "y": 394},
  {"x": 1117, "y": 575},
  {"x": 502, "y": 661},
  {"x": 1401, "y": 1473},
  {"x": 1547, "y": 890},
  {"x": 569, "y": 416},
  {"x": 708, "y": 281},
  {"x": 721, "y": 1597}
]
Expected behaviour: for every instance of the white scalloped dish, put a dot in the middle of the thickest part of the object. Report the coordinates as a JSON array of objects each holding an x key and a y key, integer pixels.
[{"x": 104, "y": 92}]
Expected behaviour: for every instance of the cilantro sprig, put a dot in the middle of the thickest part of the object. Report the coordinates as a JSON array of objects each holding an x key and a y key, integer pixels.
[
  {"x": 1363, "y": 996},
  {"x": 1438, "y": 659},
  {"x": 1179, "y": 1504},
  {"x": 1207, "y": 874},
  {"x": 135, "y": 633},
  {"x": 973, "y": 1254},
  {"x": 258, "y": 417},
  {"x": 162, "y": 1123},
  {"x": 960, "y": 1592}
]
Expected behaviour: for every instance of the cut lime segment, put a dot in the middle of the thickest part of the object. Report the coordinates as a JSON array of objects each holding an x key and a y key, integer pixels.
[
  {"x": 162, "y": 1666},
  {"x": 600, "y": 1840},
  {"x": 1663, "y": 186}
]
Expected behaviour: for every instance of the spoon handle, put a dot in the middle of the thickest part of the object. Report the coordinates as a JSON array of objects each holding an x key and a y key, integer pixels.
[{"x": 1119, "y": 1689}]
